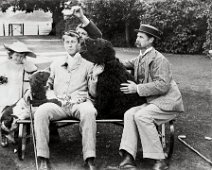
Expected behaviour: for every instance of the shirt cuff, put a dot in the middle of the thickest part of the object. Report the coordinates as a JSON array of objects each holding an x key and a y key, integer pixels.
[{"x": 85, "y": 21}]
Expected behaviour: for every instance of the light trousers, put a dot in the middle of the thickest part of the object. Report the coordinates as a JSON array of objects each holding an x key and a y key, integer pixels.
[
  {"x": 139, "y": 122},
  {"x": 47, "y": 112}
]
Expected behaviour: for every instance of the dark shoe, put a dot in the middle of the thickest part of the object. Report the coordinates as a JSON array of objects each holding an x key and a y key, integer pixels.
[
  {"x": 91, "y": 163},
  {"x": 43, "y": 164},
  {"x": 160, "y": 165},
  {"x": 4, "y": 141},
  {"x": 127, "y": 163}
]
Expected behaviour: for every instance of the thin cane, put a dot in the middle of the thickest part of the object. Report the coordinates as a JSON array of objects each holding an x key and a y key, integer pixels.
[
  {"x": 181, "y": 137},
  {"x": 33, "y": 134}
]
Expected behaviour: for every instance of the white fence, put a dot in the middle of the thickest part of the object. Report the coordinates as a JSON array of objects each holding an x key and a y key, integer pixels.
[{"x": 25, "y": 28}]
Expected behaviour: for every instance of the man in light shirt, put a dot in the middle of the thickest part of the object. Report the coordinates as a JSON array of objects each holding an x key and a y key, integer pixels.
[
  {"x": 154, "y": 80},
  {"x": 73, "y": 84},
  {"x": 73, "y": 80}
]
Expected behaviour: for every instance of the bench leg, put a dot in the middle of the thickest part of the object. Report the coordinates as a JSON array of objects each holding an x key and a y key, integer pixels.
[
  {"x": 163, "y": 135},
  {"x": 22, "y": 135}
]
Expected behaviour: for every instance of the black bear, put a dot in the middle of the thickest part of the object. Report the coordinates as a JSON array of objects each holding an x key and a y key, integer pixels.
[{"x": 110, "y": 102}]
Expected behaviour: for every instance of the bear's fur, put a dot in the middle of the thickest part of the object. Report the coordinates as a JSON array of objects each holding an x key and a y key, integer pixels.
[{"x": 110, "y": 102}]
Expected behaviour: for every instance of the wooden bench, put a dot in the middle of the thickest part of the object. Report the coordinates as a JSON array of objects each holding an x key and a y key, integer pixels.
[
  {"x": 23, "y": 135},
  {"x": 168, "y": 145}
]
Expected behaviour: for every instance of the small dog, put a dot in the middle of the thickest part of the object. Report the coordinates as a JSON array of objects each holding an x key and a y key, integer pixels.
[
  {"x": 21, "y": 109},
  {"x": 110, "y": 101}
]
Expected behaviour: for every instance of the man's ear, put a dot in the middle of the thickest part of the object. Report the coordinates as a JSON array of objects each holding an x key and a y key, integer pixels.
[{"x": 151, "y": 40}]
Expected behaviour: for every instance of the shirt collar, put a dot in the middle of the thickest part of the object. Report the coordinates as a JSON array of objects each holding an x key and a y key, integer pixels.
[
  {"x": 145, "y": 52},
  {"x": 69, "y": 59}
]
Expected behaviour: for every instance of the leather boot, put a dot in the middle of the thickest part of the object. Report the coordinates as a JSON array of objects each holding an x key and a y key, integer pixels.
[
  {"x": 91, "y": 163},
  {"x": 43, "y": 164},
  {"x": 160, "y": 165}
]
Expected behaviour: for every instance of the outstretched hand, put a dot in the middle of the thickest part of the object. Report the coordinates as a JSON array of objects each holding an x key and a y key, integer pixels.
[
  {"x": 128, "y": 88},
  {"x": 77, "y": 12},
  {"x": 74, "y": 11}
]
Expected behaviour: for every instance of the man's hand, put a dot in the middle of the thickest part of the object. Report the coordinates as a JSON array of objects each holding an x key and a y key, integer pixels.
[
  {"x": 74, "y": 11},
  {"x": 77, "y": 12},
  {"x": 129, "y": 88},
  {"x": 97, "y": 69}
]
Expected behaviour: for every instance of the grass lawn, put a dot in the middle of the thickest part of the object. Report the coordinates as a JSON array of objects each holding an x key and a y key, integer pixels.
[{"x": 193, "y": 73}]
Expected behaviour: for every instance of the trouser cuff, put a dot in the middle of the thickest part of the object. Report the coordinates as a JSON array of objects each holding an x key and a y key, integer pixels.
[
  {"x": 89, "y": 154},
  {"x": 128, "y": 149},
  {"x": 42, "y": 153},
  {"x": 156, "y": 156}
]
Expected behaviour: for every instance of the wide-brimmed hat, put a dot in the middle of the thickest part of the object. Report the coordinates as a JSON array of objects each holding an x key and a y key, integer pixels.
[
  {"x": 20, "y": 47},
  {"x": 149, "y": 29}
]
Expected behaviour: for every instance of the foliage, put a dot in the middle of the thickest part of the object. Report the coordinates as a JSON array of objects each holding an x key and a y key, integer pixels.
[
  {"x": 54, "y": 6},
  {"x": 186, "y": 24},
  {"x": 182, "y": 23},
  {"x": 208, "y": 43},
  {"x": 118, "y": 17}
]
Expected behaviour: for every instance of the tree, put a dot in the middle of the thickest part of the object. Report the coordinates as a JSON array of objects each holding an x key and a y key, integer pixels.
[
  {"x": 54, "y": 6},
  {"x": 207, "y": 5},
  {"x": 115, "y": 16},
  {"x": 182, "y": 22}
]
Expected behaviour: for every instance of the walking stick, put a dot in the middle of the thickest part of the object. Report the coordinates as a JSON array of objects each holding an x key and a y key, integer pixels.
[
  {"x": 33, "y": 133},
  {"x": 181, "y": 137}
]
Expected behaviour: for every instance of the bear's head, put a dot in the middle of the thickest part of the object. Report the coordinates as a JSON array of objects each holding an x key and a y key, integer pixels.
[
  {"x": 38, "y": 84},
  {"x": 98, "y": 51}
]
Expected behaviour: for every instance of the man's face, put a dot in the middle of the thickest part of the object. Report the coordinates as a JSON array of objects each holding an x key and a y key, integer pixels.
[
  {"x": 143, "y": 41},
  {"x": 83, "y": 34},
  {"x": 71, "y": 44}
]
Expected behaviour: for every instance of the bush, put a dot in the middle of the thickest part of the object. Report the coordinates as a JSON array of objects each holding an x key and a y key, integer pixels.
[
  {"x": 117, "y": 19},
  {"x": 181, "y": 23}
]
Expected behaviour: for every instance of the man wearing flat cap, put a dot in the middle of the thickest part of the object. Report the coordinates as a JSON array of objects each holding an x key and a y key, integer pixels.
[
  {"x": 154, "y": 80},
  {"x": 72, "y": 79}
]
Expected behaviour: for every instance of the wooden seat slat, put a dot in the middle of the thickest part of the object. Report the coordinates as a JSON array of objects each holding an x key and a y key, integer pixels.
[{"x": 77, "y": 121}]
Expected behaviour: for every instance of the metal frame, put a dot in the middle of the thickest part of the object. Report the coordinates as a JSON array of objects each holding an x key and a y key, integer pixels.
[{"x": 23, "y": 136}]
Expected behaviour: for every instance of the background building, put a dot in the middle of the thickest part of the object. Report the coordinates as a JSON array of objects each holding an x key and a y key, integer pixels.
[{"x": 21, "y": 23}]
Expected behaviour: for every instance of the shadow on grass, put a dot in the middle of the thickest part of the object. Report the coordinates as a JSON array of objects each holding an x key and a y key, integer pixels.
[
  {"x": 6, "y": 160},
  {"x": 195, "y": 123}
]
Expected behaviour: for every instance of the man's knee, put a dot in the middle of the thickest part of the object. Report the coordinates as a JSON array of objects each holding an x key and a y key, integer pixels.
[
  {"x": 143, "y": 116},
  {"x": 129, "y": 114},
  {"x": 87, "y": 113},
  {"x": 42, "y": 111}
]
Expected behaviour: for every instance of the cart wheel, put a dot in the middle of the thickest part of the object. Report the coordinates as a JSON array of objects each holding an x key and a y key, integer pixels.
[
  {"x": 167, "y": 138},
  {"x": 170, "y": 146},
  {"x": 21, "y": 141}
]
